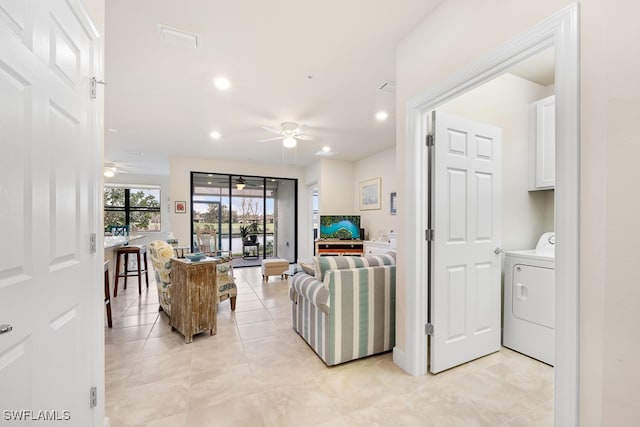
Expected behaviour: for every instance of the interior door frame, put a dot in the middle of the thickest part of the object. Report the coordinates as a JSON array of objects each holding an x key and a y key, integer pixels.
[{"x": 561, "y": 31}]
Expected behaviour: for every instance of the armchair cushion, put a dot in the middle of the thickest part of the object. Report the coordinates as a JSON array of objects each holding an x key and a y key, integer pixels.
[
  {"x": 161, "y": 253},
  {"x": 226, "y": 285},
  {"x": 313, "y": 290},
  {"x": 326, "y": 263}
]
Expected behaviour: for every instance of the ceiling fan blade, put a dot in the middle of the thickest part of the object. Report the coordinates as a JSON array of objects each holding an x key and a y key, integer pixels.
[
  {"x": 271, "y": 139},
  {"x": 271, "y": 129},
  {"x": 304, "y": 137}
]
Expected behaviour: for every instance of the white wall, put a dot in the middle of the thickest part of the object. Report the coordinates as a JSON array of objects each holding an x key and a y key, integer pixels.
[
  {"x": 381, "y": 165},
  {"x": 460, "y": 31},
  {"x": 180, "y": 189},
  {"x": 504, "y": 102},
  {"x": 165, "y": 206},
  {"x": 335, "y": 188}
]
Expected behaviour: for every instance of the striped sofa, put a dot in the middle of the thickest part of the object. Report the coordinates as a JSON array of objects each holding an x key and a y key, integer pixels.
[{"x": 347, "y": 310}]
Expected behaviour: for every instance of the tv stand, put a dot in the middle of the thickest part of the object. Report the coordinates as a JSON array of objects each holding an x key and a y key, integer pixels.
[{"x": 339, "y": 247}]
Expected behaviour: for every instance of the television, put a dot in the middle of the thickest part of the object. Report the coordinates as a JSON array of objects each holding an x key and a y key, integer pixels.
[{"x": 344, "y": 227}]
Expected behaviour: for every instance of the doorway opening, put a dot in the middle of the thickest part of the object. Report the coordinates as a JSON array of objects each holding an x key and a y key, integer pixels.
[{"x": 561, "y": 33}]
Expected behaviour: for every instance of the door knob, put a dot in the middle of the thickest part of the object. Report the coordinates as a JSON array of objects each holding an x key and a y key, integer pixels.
[
  {"x": 497, "y": 251},
  {"x": 4, "y": 329}
]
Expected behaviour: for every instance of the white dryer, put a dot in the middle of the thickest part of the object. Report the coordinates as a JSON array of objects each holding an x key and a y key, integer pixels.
[{"x": 529, "y": 300}]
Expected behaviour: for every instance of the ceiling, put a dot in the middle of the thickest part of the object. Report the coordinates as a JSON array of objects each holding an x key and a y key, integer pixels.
[{"x": 317, "y": 63}]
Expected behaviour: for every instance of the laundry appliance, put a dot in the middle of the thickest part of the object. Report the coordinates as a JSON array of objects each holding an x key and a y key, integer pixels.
[{"x": 529, "y": 300}]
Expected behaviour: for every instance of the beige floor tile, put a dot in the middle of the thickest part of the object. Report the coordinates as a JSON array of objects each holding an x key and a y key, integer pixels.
[
  {"x": 213, "y": 354},
  {"x": 242, "y": 305},
  {"x": 258, "y": 330},
  {"x": 231, "y": 413},
  {"x": 134, "y": 406},
  {"x": 304, "y": 405},
  {"x": 224, "y": 383},
  {"x": 257, "y": 371},
  {"x": 123, "y": 335},
  {"x": 253, "y": 316},
  {"x": 278, "y": 372},
  {"x": 136, "y": 320},
  {"x": 179, "y": 420}
]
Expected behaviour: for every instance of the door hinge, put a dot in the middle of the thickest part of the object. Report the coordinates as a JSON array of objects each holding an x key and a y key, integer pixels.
[
  {"x": 93, "y": 87},
  {"x": 428, "y": 329},
  {"x": 429, "y": 141},
  {"x": 92, "y": 243},
  {"x": 93, "y": 397},
  {"x": 429, "y": 235}
]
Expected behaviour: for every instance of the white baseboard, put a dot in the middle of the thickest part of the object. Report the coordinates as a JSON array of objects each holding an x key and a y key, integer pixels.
[{"x": 400, "y": 360}]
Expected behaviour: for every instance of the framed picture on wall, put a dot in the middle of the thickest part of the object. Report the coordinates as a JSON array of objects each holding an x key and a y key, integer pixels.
[
  {"x": 392, "y": 204},
  {"x": 181, "y": 206},
  {"x": 370, "y": 194}
]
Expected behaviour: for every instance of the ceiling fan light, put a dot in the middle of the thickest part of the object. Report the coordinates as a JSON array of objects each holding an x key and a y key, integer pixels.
[
  {"x": 289, "y": 142},
  {"x": 108, "y": 173},
  {"x": 240, "y": 183}
]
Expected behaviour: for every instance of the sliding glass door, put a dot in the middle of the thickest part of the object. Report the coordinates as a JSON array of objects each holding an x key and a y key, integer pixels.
[
  {"x": 211, "y": 212},
  {"x": 250, "y": 217}
]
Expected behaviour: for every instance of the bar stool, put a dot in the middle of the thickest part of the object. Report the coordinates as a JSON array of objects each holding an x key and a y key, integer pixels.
[
  {"x": 138, "y": 250},
  {"x": 107, "y": 296}
]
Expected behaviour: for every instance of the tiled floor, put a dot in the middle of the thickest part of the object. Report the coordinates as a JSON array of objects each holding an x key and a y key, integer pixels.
[{"x": 258, "y": 372}]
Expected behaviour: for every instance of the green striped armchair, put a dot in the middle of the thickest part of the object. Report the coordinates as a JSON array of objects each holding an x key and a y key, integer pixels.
[{"x": 347, "y": 310}]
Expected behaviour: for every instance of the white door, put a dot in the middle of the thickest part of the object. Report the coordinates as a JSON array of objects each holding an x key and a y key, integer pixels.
[
  {"x": 465, "y": 216},
  {"x": 50, "y": 283}
]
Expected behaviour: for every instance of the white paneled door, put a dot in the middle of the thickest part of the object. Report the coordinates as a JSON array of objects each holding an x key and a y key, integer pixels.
[
  {"x": 49, "y": 172},
  {"x": 465, "y": 290}
]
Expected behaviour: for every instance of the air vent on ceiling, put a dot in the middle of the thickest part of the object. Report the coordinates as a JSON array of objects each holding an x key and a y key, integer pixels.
[
  {"x": 388, "y": 86},
  {"x": 181, "y": 37}
]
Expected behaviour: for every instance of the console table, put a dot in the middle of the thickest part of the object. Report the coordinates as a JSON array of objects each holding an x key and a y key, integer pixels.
[
  {"x": 339, "y": 247},
  {"x": 194, "y": 296}
]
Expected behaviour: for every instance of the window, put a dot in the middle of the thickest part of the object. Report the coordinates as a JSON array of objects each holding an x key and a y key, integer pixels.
[{"x": 137, "y": 208}]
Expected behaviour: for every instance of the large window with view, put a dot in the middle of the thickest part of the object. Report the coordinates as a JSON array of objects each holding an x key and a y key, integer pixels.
[
  {"x": 135, "y": 207},
  {"x": 249, "y": 217}
]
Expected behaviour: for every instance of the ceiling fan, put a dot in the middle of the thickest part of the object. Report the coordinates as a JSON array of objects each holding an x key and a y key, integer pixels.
[
  {"x": 110, "y": 169},
  {"x": 290, "y": 133}
]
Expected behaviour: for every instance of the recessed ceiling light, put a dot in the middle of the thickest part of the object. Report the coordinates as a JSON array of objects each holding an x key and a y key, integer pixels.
[
  {"x": 222, "y": 83},
  {"x": 326, "y": 149},
  {"x": 109, "y": 173},
  {"x": 215, "y": 134},
  {"x": 381, "y": 116},
  {"x": 324, "y": 153}
]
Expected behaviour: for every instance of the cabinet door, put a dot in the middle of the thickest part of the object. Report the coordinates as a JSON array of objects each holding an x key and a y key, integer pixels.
[{"x": 543, "y": 144}]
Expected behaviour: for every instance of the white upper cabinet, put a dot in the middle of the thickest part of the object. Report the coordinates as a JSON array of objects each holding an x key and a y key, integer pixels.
[{"x": 542, "y": 144}]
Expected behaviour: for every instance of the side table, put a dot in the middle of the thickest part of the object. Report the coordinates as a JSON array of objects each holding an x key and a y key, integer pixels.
[
  {"x": 247, "y": 252},
  {"x": 194, "y": 296}
]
